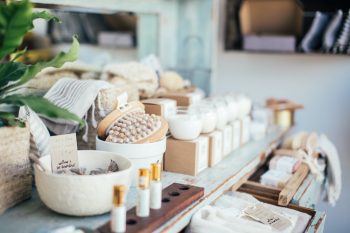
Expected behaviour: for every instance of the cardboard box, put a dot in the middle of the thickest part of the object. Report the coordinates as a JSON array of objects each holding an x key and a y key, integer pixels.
[
  {"x": 215, "y": 147},
  {"x": 227, "y": 140},
  {"x": 282, "y": 17},
  {"x": 236, "y": 134},
  {"x": 160, "y": 107},
  {"x": 186, "y": 157},
  {"x": 183, "y": 99},
  {"x": 245, "y": 130},
  {"x": 273, "y": 43}
]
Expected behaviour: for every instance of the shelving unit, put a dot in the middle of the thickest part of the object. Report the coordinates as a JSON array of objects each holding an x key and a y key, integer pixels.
[
  {"x": 170, "y": 29},
  {"x": 33, "y": 216}
]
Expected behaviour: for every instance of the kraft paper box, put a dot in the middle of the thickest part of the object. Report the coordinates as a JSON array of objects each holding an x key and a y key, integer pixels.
[
  {"x": 227, "y": 140},
  {"x": 245, "y": 130},
  {"x": 215, "y": 147},
  {"x": 160, "y": 107},
  {"x": 271, "y": 17},
  {"x": 183, "y": 99},
  {"x": 186, "y": 157},
  {"x": 236, "y": 134}
]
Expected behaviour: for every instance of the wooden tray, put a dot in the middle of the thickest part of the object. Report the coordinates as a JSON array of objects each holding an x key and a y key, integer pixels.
[
  {"x": 176, "y": 198},
  {"x": 282, "y": 196}
]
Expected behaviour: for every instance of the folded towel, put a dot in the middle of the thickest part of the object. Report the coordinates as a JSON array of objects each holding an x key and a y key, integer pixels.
[
  {"x": 39, "y": 135},
  {"x": 226, "y": 215},
  {"x": 334, "y": 182},
  {"x": 76, "y": 96}
]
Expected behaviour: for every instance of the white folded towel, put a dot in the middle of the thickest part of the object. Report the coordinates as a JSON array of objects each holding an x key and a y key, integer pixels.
[
  {"x": 334, "y": 182},
  {"x": 39, "y": 135},
  {"x": 76, "y": 96}
]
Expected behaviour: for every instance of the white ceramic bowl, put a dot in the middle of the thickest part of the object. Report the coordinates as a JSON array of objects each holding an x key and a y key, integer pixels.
[
  {"x": 184, "y": 126},
  {"x": 141, "y": 155},
  {"x": 82, "y": 195}
]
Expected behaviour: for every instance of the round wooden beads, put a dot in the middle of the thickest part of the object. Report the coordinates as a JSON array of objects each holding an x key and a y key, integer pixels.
[{"x": 133, "y": 127}]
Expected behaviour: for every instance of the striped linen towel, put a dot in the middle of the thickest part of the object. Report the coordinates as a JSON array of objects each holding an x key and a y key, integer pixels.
[
  {"x": 39, "y": 135},
  {"x": 77, "y": 96}
]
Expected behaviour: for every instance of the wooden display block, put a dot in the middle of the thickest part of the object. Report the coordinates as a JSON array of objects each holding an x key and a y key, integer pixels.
[
  {"x": 282, "y": 196},
  {"x": 176, "y": 198}
]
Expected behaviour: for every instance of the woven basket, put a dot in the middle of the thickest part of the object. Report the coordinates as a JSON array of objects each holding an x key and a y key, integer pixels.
[
  {"x": 15, "y": 167},
  {"x": 108, "y": 100}
]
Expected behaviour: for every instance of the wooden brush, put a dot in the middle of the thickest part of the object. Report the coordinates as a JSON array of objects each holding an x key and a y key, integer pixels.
[{"x": 130, "y": 124}]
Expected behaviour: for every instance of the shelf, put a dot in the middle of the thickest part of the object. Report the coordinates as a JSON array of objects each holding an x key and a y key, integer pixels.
[{"x": 33, "y": 216}]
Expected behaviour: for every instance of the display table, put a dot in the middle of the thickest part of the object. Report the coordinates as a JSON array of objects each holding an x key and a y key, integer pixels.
[{"x": 33, "y": 216}]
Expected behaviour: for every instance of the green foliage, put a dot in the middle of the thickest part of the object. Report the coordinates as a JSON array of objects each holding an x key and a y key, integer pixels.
[{"x": 16, "y": 19}]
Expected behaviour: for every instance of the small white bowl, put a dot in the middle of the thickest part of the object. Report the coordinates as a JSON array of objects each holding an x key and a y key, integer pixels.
[
  {"x": 185, "y": 127},
  {"x": 82, "y": 195},
  {"x": 141, "y": 155}
]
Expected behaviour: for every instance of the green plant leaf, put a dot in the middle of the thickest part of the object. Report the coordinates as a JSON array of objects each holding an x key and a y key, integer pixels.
[
  {"x": 57, "y": 62},
  {"x": 11, "y": 71},
  {"x": 45, "y": 15},
  {"x": 15, "y": 21},
  {"x": 8, "y": 119},
  {"x": 42, "y": 106}
]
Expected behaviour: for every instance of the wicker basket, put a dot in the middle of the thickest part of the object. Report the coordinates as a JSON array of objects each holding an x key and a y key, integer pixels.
[
  {"x": 108, "y": 100},
  {"x": 15, "y": 167}
]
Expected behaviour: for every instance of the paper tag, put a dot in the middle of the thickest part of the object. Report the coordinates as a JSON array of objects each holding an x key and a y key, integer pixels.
[
  {"x": 122, "y": 99},
  {"x": 262, "y": 214},
  {"x": 64, "y": 152},
  {"x": 152, "y": 62},
  {"x": 216, "y": 147},
  {"x": 236, "y": 126}
]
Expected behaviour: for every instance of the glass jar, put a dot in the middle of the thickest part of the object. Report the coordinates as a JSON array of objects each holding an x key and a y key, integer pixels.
[{"x": 186, "y": 124}]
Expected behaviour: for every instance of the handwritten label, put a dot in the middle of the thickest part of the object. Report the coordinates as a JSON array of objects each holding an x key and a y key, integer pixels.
[
  {"x": 64, "y": 152},
  {"x": 262, "y": 214}
]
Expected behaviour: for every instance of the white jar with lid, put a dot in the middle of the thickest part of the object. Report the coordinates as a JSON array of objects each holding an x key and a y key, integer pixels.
[
  {"x": 186, "y": 124},
  {"x": 221, "y": 111},
  {"x": 208, "y": 116}
]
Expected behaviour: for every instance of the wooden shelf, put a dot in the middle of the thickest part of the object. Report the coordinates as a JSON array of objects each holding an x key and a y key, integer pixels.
[{"x": 33, "y": 216}]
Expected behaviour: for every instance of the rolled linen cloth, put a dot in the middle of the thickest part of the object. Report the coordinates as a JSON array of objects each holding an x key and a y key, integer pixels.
[{"x": 285, "y": 164}]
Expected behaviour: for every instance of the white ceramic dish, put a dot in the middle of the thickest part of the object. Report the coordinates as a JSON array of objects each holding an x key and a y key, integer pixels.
[
  {"x": 83, "y": 195},
  {"x": 184, "y": 126},
  {"x": 141, "y": 155}
]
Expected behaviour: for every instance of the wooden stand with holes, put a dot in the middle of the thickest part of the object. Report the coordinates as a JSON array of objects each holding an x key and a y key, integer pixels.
[{"x": 176, "y": 198}]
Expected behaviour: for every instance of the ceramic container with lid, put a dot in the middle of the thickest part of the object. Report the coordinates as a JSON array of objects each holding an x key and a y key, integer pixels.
[{"x": 186, "y": 124}]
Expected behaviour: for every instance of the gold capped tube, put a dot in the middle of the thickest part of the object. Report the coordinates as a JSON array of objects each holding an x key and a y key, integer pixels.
[
  {"x": 156, "y": 171},
  {"x": 118, "y": 195},
  {"x": 143, "y": 179}
]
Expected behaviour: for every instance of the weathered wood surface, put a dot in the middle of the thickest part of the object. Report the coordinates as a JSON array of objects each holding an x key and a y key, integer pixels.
[
  {"x": 175, "y": 198},
  {"x": 33, "y": 216}
]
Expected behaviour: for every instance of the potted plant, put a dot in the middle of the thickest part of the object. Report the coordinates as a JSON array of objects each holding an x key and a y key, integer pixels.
[{"x": 16, "y": 19}]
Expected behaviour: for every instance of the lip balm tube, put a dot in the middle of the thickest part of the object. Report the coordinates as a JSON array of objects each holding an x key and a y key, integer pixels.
[
  {"x": 143, "y": 193},
  {"x": 156, "y": 187},
  {"x": 118, "y": 216}
]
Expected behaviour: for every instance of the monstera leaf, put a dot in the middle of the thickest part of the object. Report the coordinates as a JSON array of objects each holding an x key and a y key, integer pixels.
[
  {"x": 16, "y": 19},
  {"x": 42, "y": 106}
]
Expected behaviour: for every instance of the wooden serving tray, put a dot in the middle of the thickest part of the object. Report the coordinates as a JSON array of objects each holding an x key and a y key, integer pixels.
[
  {"x": 282, "y": 196},
  {"x": 175, "y": 198}
]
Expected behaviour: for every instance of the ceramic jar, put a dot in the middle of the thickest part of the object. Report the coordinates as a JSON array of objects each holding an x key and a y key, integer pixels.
[{"x": 186, "y": 124}]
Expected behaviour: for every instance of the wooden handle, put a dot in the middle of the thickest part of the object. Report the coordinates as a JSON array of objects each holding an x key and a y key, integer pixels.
[{"x": 292, "y": 185}]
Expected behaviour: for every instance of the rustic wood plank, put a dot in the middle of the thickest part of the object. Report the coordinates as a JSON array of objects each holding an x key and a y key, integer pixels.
[
  {"x": 33, "y": 216},
  {"x": 176, "y": 197},
  {"x": 292, "y": 185}
]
